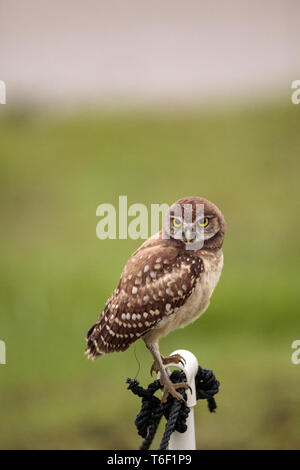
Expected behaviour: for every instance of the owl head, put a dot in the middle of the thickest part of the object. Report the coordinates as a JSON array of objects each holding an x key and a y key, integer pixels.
[{"x": 196, "y": 222}]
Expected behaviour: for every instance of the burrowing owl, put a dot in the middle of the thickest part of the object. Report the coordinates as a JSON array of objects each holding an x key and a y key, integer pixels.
[{"x": 166, "y": 284}]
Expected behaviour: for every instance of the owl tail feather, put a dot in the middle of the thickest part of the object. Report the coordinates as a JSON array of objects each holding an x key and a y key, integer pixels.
[{"x": 94, "y": 348}]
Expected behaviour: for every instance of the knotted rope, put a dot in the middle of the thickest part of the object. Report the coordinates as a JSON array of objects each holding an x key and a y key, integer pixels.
[{"x": 175, "y": 411}]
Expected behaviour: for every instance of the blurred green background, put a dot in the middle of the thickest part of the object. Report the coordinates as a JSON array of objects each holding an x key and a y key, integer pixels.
[{"x": 56, "y": 275}]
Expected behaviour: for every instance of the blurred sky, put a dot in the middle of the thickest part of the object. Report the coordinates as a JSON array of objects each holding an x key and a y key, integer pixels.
[{"x": 139, "y": 50}]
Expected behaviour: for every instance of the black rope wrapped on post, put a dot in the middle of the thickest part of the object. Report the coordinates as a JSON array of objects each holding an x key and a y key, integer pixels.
[{"x": 175, "y": 412}]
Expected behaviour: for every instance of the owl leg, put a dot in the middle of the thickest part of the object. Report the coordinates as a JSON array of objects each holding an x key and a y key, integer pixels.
[
  {"x": 174, "y": 359},
  {"x": 169, "y": 387}
]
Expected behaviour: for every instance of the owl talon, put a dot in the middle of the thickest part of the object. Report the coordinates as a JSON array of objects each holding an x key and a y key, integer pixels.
[
  {"x": 176, "y": 358},
  {"x": 170, "y": 389},
  {"x": 154, "y": 368}
]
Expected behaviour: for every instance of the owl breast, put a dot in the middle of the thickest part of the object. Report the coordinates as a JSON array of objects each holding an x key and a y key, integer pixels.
[{"x": 198, "y": 301}]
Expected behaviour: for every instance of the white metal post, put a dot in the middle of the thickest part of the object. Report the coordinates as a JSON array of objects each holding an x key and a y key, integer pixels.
[{"x": 187, "y": 440}]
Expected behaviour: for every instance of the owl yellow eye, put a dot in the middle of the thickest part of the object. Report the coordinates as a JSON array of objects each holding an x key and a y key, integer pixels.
[
  {"x": 177, "y": 222},
  {"x": 203, "y": 222}
]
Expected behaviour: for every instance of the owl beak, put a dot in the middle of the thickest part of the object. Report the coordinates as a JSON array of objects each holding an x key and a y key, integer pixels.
[{"x": 189, "y": 235}]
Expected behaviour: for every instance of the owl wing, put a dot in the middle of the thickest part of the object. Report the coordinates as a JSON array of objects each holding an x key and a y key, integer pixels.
[{"x": 155, "y": 282}]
